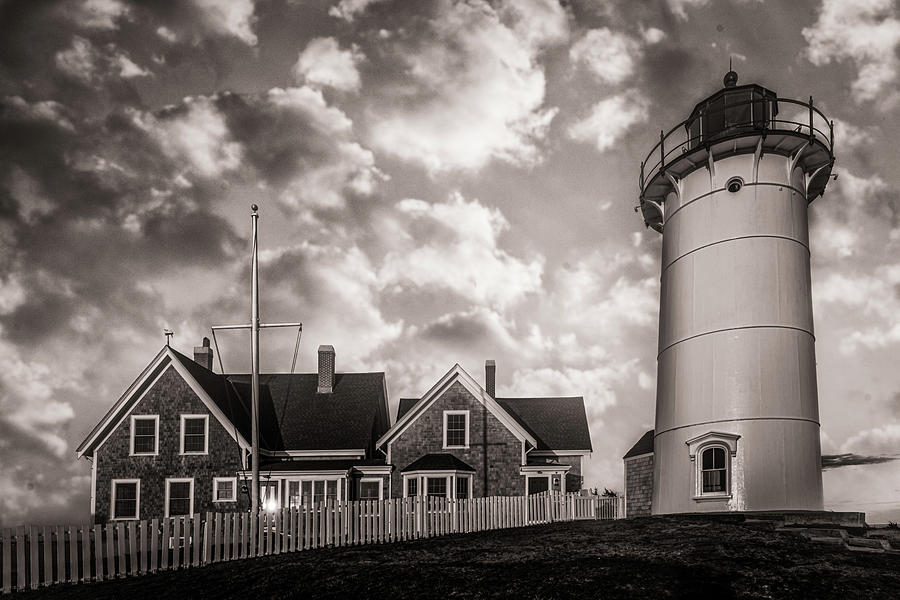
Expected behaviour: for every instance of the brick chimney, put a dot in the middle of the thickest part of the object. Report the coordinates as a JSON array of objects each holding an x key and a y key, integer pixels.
[
  {"x": 203, "y": 355},
  {"x": 490, "y": 377},
  {"x": 326, "y": 369}
]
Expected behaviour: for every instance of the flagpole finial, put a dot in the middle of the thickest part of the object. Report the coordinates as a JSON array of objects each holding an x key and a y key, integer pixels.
[{"x": 254, "y": 208}]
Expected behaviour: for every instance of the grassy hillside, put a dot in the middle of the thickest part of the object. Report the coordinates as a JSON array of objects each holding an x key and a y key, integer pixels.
[{"x": 645, "y": 558}]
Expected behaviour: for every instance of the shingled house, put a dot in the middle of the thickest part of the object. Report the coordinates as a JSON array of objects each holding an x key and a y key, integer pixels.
[
  {"x": 178, "y": 440},
  {"x": 639, "y": 476},
  {"x": 460, "y": 440}
]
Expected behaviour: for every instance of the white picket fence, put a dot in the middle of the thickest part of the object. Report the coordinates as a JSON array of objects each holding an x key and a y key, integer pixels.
[{"x": 39, "y": 556}]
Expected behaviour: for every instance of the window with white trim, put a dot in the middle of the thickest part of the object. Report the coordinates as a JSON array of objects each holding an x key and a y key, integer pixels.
[
  {"x": 370, "y": 488},
  {"x": 456, "y": 429},
  {"x": 462, "y": 487},
  {"x": 194, "y": 434},
  {"x": 144, "y": 435},
  {"x": 224, "y": 489},
  {"x": 437, "y": 487},
  {"x": 714, "y": 470},
  {"x": 179, "y": 497},
  {"x": 412, "y": 487},
  {"x": 126, "y": 499}
]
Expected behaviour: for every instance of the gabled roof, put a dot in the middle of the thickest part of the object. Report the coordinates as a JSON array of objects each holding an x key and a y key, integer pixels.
[
  {"x": 557, "y": 423},
  {"x": 437, "y": 462},
  {"x": 642, "y": 446},
  {"x": 405, "y": 405},
  {"x": 292, "y": 415},
  {"x": 454, "y": 375}
]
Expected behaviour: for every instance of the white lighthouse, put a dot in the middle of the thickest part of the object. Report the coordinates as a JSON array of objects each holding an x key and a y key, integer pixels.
[{"x": 737, "y": 419}]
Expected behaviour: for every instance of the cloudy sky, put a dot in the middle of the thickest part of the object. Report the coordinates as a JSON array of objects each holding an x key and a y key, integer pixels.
[{"x": 439, "y": 182}]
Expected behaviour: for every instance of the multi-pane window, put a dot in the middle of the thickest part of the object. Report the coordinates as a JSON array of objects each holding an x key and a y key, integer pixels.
[
  {"x": 713, "y": 471},
  {"x": 412, "y": 487},
  {"x": 370, "y": 490},
  {"x": 462, "y": 487},
  {"x": 180, "y": 497},
  {"x": 268, "y": 495},
  {"x": 143, "y": 434},
  {"x": 437, "y": 487},
  {"x": 224, "y": 489},
  {"x": 324, "y": 490},
  {"x": 293, "y": 494},
  {"x": 456, "y": 429},
  {"x": 125, "y": 499},
  {"x": 193, "y": 434}
]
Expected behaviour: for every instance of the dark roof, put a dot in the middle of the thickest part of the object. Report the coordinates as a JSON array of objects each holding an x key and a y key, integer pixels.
[
  {"x": 556, "y": 423},
  {"x": 405, "y": 405},
  {"x": 292, "y": 415},
  {"x": 437, "y": 462},
  {"x": 643, "y": 446}
]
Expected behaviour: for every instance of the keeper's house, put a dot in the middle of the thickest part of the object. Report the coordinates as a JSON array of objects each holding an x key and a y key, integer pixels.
[{"x": 178, "y": 440}]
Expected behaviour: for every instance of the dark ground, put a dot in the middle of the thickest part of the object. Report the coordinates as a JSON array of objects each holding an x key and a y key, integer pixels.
[{"x": 655, "y": 557}]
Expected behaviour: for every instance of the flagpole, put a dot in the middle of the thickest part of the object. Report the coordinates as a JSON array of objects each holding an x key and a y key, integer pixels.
[{"x": 254, "y": 351}]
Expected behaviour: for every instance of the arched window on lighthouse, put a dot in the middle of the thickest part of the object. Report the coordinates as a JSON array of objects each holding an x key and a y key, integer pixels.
[
  {"x": 712, "y": 455},
  {"x": 713, "y": 471}
]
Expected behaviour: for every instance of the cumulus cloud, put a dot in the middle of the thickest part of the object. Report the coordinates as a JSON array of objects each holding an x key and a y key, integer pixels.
[
  {"x": 540, "y": 23},
  {"x": 230, "y": 17},
  {"x": 323, "y": 63},
  {"x": 610, "y": 56},
  {"x": 883, "y": 440},
  {"x": 78, "y": 60},
  {"x": 473, "y": 92},
  {"x": 348, "y": 10},
  {"x": 456, "y": 248},
  {"x": 679, "y": 7},
  {"x": 196, "y": 132},
  {"x": 610, "y": 119},
  {"x": 100, "y": 14},
  {"x": 866, "y": 33}
]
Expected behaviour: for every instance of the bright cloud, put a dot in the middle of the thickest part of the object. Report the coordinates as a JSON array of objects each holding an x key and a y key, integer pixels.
[
  {"x": 473, "y": 92},
  {"x": 679, "y": 7},
  {"x": 865, "y": 32},
  {"x": 610, "y": 119},
  {"x": 79, "y": 60},
  {"x": 610, "y": 56},
  {"x": 540, "y": 22},
  {"x": 196, "y": 132},
  {"x": 458, "y": 250},
  {"x": 348, "y": 10},
  {"x": 100, "y": 14},
  {"x": 883, "y": 440},
  {"x": 323, "y": 62},
  {"x": 230, "y": 17}
]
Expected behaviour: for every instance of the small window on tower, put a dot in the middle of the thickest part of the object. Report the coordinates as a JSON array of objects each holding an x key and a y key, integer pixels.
[{"x": 714, "y": 472}]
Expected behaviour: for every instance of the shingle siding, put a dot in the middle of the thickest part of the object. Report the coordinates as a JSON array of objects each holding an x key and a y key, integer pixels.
[
  {"x": 639, "y": 485},
  {"x": 169, "y": 397},
  {"x": 426, "y": 435}
]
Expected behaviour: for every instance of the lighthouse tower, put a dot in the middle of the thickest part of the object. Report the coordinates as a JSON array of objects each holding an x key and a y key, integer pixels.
[{"x": 737, "y": 418}]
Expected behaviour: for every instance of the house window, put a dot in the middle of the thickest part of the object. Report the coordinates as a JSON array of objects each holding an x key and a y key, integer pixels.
[
  {"x": 268, "y": 495},
  {"x": 456, "y": 429},
  {"x": 194, "y": 434},
  {"x": 412, "y": 487},
  {"x": 713, "y": 471},
  {"x": 144, "y": 435},
  {"x": 126, "y": 498},
  {"x": 462, "y": 488},
  {"x": 293, "y": 494},
  {"x": 179, "y": 497},
  {"x": 225, "y": 489},
  {"x": 437, "y": 487},
  {"x": 370, "y": 489}
]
